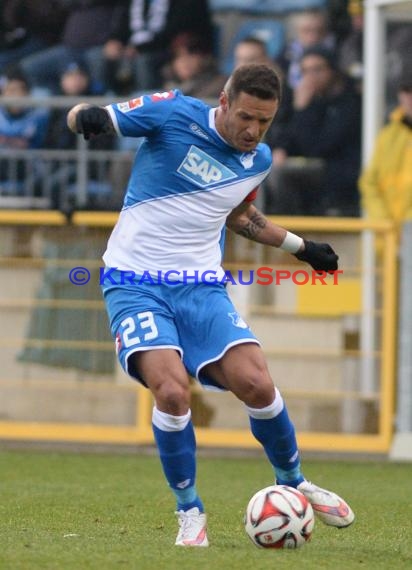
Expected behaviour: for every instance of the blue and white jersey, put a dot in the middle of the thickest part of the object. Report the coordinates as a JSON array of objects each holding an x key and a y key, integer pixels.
[{"x": 184, "y": 183}]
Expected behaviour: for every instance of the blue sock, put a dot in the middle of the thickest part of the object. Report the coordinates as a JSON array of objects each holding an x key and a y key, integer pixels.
[
  {"x": 272, "y": 427},
  {"x": 175, "y": 439}
]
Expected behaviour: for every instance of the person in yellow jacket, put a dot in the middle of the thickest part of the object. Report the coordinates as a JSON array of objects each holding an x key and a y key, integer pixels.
[{"x": 386, "y": 182}]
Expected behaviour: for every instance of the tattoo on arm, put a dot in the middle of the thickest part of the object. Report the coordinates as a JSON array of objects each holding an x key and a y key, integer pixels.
[{"x": 255, "y": 224}]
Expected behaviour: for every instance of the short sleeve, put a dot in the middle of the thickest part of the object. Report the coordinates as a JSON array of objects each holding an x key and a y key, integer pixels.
[{"x": 141, "y": 116}]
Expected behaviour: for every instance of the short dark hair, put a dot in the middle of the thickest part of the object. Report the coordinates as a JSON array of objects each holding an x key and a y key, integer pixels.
[
  {"x": 327, "y": 54},
  {"x": 254, "y": 41},
  {"x": 15, "y": 73},
  {"x": 258, "y": 80}
]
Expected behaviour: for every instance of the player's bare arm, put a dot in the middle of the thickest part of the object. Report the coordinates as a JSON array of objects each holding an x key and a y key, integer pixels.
[
  {"x": 89, "y": 120},
  {"x": 247, "y": 221}
]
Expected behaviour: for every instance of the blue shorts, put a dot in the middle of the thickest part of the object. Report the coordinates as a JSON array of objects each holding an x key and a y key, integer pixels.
[{"x": 198, "y": 320}]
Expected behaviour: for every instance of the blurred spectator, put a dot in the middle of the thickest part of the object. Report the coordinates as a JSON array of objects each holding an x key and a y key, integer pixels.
[
  {"x": 339, "y": 18},
  {"x": 351, "y": 48},
  {"x": 88, "y": 26},
  {"x": 398, "y": 58},
  {"x": 28, "y": 26},
  {"x": 324, "y": 133},
  {"x": 386, "y": 182},
  {"x": 251, "y": 50},
  {"x": 309, "y": 28},
  {"x": 398, "y": 42},
  {"x": 75, "y": 81},
  {"x": 139, "y": 46},
  {"x": 20, "y": 128},
  {"x": 193, "y": 68}
]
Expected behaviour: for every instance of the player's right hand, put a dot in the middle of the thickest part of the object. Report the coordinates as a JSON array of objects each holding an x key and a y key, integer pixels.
[{"x": 92, "y": 121}]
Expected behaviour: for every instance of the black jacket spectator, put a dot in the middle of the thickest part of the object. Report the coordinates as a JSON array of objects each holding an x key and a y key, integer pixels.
[
  {"x": 88, "y": 26},
  {"x": 327, "y": 126},
  {"x": 150, "y": 32},
  {"x": 142, "y": 40},
  {"x": 27, "y": 26},
  {"x": 91, "y": 22},
  {"x": 24, "y": 18}
]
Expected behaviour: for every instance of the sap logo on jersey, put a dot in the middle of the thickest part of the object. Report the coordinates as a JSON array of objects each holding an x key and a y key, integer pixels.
[{"x": 203, "y": 169}]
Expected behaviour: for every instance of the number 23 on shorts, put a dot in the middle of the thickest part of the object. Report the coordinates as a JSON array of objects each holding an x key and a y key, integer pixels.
[{"x": 134, "y": 330}]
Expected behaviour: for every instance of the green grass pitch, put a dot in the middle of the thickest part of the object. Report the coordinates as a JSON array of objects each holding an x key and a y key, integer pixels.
[{"x": 66, "y": 511}]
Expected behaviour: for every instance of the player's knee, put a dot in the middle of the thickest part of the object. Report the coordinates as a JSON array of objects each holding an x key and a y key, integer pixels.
[
  {"x": 257, "y": 389},
  {"x": 173, "y": 398}
]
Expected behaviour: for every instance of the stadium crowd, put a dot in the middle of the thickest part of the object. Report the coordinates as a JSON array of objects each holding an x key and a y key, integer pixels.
[{"x": 124, "y": 48}]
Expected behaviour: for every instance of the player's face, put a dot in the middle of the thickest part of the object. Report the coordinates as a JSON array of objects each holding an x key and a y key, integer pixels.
[{"x": 245, "y": 120}]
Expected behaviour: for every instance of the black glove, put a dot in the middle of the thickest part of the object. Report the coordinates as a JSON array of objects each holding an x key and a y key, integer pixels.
[
  {"x": 92, "y": 121},
  {"x": 319, "y": 255}
]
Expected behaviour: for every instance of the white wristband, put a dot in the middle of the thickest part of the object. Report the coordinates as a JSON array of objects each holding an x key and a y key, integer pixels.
[{"x": 292, "y": 243}]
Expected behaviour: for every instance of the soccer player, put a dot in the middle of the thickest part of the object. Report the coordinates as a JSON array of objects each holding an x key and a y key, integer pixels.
[{"x": 195, "y": 174}]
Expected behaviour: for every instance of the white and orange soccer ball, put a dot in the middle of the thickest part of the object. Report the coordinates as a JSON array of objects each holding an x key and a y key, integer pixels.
[{"x": 279, "y": 517}]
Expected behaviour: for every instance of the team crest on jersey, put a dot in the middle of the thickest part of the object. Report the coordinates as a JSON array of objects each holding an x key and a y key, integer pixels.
[
  {"x": 238, "y": 321},
  {"x": 162, "y": 96},
  {"x": 247, "y": 159},
  {"x": 203, "y": 169},
  {"x": 130, "y": 105}
]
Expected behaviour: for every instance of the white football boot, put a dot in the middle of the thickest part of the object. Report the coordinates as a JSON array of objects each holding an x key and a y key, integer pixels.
[
  {"x": 192, "y": 531},
  {"x": 329, "y": 507}
]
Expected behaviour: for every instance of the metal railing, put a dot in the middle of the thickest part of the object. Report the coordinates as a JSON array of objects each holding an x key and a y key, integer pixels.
[
  {"x": 63, "y": 179},
  {"x": 77, "y": 178}
]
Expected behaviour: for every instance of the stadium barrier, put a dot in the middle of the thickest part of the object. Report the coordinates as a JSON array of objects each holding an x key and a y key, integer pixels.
[
  {"x": 62, "y": 179},
  {"x": 78, "y": 178},
  {"x": 330, "y": 347}
]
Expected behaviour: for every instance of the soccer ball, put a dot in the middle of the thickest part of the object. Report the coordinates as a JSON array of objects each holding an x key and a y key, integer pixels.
[{"x": 279, "y": 517}]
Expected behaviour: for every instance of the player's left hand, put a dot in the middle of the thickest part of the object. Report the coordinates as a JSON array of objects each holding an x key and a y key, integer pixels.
[
  {"x": 92, "y": 121},
  {"x": 319, "y": 255}
]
